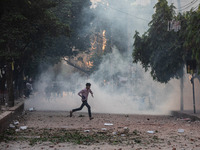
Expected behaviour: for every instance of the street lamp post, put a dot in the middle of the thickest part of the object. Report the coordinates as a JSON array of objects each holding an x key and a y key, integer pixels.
[
  {"x": 191, "y": 69},
  {"x": 192, "y": 81}
]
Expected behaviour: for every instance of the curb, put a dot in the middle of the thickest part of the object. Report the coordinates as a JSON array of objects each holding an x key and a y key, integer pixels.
[
  {"x": 180, "y": 114},
  {"x": 9, "y": 115}
]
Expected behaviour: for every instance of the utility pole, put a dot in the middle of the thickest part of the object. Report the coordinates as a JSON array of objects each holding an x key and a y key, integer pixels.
[
  {"x": 193, "y": 89},
  {"x": 191, "y": 69},
  {"x": 182, "y": 78}
]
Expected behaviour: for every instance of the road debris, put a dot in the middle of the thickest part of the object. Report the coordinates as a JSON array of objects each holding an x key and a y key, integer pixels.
[
  {"x": 31, "y": 109},
  {"x": 17, "y": 130},
  {"x": 108, "y": 124},
  {"x": 180, "y": 130},
  {"x": 186, "y": 119},
  {"x": 151, "y": 132},
  {"x": 104, "y": 129},
  {"x": 23, "y": 127},
  {"x": 87, "y": 131},
  {"x": 11, "y": 126},
  {"x": 16, "y": 122},
  {"x": 126, "y": 129}
]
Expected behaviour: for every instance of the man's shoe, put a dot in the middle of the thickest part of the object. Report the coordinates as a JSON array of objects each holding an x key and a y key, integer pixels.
[
  {"x": 70, "y": 114},
  {"x": 91, "y": 118}
]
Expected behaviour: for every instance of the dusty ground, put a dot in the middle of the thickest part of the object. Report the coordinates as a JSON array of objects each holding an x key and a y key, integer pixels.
[{"x": 57, "y": 131}]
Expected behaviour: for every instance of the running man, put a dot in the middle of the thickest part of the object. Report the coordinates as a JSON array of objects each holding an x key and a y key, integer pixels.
[{"x": 84, "y": 96}]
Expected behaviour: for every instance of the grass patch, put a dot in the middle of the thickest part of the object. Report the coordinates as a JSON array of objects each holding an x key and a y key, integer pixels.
[
  {"x": 55, "y": 136},
  {"x": 136, "y": 132}
]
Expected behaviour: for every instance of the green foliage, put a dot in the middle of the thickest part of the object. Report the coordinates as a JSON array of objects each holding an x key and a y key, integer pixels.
[
  {"x": 24, "y": 26},
  {"x": 159, "y": 50},
  {"x": 69, "y": 12},
  {"x": 96, "y": 59},
  {"x": 141, "y": 52},
  {"x": 35, "y": 32},
  {"x": 73, "y": 13},
  {"x": 192, "y": 34},
  {"x": 163, "y": 52},
  {"x": 56, "y": 136}
]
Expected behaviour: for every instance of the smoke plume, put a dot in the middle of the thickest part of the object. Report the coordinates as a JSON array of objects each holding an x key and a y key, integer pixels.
[{"x": 119, "y": 86}]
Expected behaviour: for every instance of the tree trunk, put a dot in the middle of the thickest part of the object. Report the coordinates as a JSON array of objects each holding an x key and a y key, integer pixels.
[
  {"x": 9, "y": 75},
  {"x": 2, "y": 88},
  {"x": 20, "y": 84}
]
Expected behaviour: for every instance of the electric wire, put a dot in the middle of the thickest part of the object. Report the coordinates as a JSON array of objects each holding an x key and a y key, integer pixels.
[
  {"x": 125, "y": 13},
  {"x": 189, "y": 6},
  {"x": 196, "y": 8},
  {"x": 182, "y": 7}
]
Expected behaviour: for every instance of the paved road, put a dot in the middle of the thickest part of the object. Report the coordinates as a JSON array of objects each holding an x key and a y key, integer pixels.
[{"x": 56, "y": 130}]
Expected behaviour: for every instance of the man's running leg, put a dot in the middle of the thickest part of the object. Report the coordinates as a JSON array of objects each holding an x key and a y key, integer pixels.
[
  {"x": 77, "y": 109},
  {"x": 89, "y": 110}
]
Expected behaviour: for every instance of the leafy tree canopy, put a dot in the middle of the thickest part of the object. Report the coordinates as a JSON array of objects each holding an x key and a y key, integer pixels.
[
  {"x": 159, "y": 50},
  {"x": 191, "y": 34}
]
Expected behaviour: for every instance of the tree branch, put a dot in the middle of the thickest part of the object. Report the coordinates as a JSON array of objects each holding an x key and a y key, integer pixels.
[{"x": 80, "y": 69}]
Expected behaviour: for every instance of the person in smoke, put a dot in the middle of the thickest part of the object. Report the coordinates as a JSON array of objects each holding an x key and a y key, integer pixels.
[
  {"x": 84, "y": 97},
  {"x": 28, "y": 89}
]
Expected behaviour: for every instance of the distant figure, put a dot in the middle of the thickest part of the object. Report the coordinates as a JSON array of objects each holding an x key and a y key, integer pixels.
[
  {"x": 84, "y": 96},
  {"x": 29, "y": 89}
]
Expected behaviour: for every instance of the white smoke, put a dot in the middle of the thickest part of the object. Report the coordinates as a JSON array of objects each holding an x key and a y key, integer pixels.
[
  {"x": 119, "y": 86},
  {"x": 141, "y": 2},
  {"x": 129, "y": 89}
]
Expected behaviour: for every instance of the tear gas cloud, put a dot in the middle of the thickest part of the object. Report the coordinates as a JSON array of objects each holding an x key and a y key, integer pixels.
[
  {"x": 131, "y": 91},
  {"x": 119, "y": 86}
]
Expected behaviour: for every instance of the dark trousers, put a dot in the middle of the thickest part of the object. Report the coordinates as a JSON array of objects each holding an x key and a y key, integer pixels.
[{"x": 85, "y": 103}]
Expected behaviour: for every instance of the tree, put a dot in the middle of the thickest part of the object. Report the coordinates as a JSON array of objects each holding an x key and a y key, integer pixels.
[
  {"x": 24, "y": 25},
  {"x": 192, "y": 34},
  {"x": 159, "y": 50},
  {"x": 78, "y": 15},
  {"x": 73, "y": 13}
]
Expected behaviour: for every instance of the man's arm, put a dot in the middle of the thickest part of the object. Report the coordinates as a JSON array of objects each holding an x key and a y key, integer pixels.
[
  {"x": 91, "y": 93},
  {"x": 80, "y": 93}
]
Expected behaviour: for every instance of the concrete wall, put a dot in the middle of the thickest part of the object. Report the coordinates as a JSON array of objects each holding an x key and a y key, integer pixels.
[{"x": 9, "y": 115}]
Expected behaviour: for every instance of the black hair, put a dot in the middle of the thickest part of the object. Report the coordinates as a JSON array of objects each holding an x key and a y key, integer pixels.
[{"x": 88, "y": 84}]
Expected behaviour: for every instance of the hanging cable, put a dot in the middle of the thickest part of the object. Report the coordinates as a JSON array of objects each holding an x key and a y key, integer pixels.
[
  {"x": 124, "y": 12},
  {"x": 189, "y": 5},
  {"x": 196, "y": 8}
]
